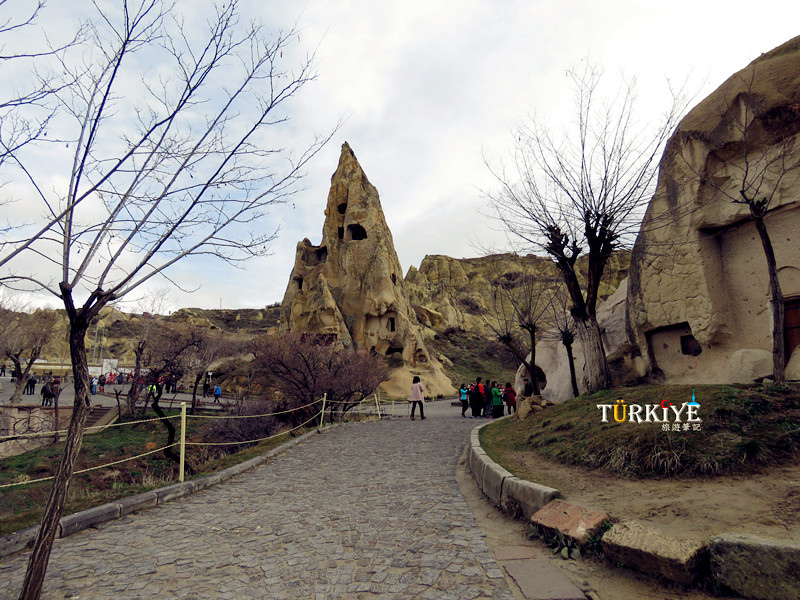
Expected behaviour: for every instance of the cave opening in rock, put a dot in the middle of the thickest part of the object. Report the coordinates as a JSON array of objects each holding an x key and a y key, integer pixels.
[
  {"x": 342, "y": 208},
  {"x": 356, "y": 232}
]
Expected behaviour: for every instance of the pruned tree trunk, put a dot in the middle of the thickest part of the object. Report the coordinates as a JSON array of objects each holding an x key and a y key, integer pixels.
[
  {"x": 56, "y": 418},
  {"x": 40, "y": 555},
  {"x": 778, "y": 348},
  {"x": 572, "y": 378},
  {"x": 532, "y": 365},
  {"x": 197, "y": 380},
  {"x": 597, "y": 375},
  {"x": 169, "y": 452}
]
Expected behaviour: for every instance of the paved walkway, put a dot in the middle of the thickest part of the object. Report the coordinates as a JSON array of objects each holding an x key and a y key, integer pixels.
[{"x": 364, "y": 511}]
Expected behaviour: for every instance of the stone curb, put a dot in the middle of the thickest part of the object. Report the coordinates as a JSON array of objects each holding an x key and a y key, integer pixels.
[
  {"x": 736, "y": 561},
  {"x": 22, "y": 540},
  {"x": 506, "y": 491}
]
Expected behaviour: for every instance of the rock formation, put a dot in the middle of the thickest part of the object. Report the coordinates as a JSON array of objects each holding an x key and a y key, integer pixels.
[
  {"x": 699, "y": 303},
  {"x": 452, "y": 292},
  {"x": 351, "y": 285},
  {"x": 551, "y": 356}
]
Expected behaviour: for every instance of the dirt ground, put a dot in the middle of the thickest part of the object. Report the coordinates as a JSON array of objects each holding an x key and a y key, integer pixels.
[{"x": 766, "y": 504}]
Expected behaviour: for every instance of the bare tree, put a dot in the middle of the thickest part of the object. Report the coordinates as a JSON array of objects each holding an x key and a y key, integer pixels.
[
  {"x": 564, "y": 331},
  {"x": 583, "y": 192},
  {"x": 164, "y": 165},
  {"x": 520, "y": 310},
  {"x": 23, "y": 338},
  {"x": 142, "y": 330},
  {"x": 303, "y": 367},
  {"x": 210, "y": 345}
]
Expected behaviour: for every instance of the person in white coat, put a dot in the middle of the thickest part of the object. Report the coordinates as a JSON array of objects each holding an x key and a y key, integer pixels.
[{"x": 417, "y": 396}]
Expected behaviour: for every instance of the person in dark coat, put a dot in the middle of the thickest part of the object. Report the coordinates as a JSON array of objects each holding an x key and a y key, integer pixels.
[
  {"x": 510, "y": 396},
  {"x": 476, "y": 398}
]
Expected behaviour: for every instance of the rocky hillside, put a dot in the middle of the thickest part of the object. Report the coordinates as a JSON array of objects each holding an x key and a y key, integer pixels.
[{"x": 458, "y": 293}]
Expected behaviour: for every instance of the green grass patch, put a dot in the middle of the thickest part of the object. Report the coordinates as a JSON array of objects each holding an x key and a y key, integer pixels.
[{"x": 742, "y": 429}]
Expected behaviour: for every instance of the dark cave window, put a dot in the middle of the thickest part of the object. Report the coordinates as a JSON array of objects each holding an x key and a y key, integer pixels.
[
  {"x": 690, "y": 346},
  {"x": 340, "y": 231},
  {"x": 357, "y": 232},
  {"x": 299, "y": 281},
  {"x": 342, "y": 208},
  {"x": 391, "y": 324},
  {"x": 393, "y": 349},
  {"x": 394, "y": 279}
]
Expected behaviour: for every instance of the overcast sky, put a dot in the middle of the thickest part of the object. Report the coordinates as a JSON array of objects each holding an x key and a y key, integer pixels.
[{"x": 425, "y": 87}]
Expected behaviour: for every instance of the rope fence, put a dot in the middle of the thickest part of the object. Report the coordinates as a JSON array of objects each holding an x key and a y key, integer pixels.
[{"x": 359, "y": 408}]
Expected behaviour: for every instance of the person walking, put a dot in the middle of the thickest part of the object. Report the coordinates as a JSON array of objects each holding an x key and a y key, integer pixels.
[
  {"x": 47, "y": 394},
  {"x": 464, "y": 392},
  {"x": 417, "y": 396},
  {"x": 217, "y": 393},
  {"x": 31, "y": 387}
]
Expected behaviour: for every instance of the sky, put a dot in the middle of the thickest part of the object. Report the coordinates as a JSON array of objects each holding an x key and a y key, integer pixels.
[{"x": 425, "y": 89}]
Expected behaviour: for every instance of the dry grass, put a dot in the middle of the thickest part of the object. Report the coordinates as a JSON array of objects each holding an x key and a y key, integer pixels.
[{"x": 743, "y": 429}]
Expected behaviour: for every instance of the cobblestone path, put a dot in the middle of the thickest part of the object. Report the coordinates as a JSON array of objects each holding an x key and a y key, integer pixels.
[{"x": 364, "y": 511}]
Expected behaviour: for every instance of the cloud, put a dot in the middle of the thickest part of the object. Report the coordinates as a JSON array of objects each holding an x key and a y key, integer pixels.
[{"x": 425, "y": 87}]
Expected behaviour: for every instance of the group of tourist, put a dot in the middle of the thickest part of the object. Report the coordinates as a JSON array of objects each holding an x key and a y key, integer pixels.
[{"x": 487, "y": 399}]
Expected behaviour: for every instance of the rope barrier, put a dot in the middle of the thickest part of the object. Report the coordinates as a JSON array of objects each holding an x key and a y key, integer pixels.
[
  {"x": 281, "y": 412},
  {"x": 41, "y": 434},
  {"x": 95, "y": 468},
  {"x": 255, "y": 440}
]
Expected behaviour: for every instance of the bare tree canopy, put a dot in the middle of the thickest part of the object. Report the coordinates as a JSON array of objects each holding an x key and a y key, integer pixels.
[
  {"x": 303, "y": 367},
  {"x": 583, "y": 191},
  {"x": 171, "y": 144},
  {"x": 26, "y": 109}
]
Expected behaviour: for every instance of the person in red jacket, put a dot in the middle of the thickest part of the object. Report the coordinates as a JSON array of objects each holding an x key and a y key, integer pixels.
[{"x": 510, "y": 396}]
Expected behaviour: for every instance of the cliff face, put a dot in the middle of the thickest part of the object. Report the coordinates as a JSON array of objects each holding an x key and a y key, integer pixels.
[
  {"x": 351, "y": 285},
  {"x": 698, "y": 292},
  {"x": 459, "y": 293}
]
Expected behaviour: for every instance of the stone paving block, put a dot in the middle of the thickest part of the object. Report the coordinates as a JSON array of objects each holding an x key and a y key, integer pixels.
[
  {"x": 503, "y": 553},
  {"x": 652, "y": 551},
  {"x": 572, "y": 520},
  {"x": 137, "y": 502},
  {"x": 19, "y": 540},
  {"x": 756, "y": 567},
  {"x": 528, "y": 495},
  {"x": 492, "y": 480},
  {"x": 540, "y": 579},
  {"x": 86, "y": 518}
]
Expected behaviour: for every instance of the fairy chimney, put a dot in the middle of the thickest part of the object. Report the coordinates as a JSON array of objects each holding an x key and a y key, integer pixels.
[{"x": 352, "y": 286}]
